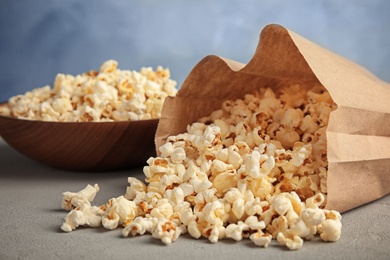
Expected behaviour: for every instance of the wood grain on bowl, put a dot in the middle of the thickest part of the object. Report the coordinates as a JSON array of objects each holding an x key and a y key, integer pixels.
[{"x": 93, "y": 146}]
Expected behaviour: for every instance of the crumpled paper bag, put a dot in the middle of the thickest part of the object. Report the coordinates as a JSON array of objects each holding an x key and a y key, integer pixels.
[{"x": 358, "y": 133}]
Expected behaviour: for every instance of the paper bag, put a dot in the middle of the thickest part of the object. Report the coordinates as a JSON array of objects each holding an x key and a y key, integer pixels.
[{"x": 358, "y": 133}]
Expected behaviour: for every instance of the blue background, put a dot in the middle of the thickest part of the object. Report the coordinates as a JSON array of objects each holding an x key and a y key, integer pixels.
[{"x": 40, "y": 38}]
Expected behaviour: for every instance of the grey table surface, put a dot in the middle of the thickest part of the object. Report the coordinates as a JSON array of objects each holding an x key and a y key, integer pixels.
[{"x": 31, "y": 216}]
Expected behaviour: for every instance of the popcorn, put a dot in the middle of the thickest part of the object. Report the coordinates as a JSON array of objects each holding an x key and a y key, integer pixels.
[
  {"x": 298, "y": 228},
  {"x": 331, "y": 230},
  {"x": 313, "y": 217},
  {"x": 293, "y": 242},
  {"x": 254, "y": 223},
  {"x": 279, "y": 224},
  {"x": 201, "y": 185},
  {"x": 224, "y": 181},
  {"x": 238, "y": 208},
  {"x": 119, "y": 210},
  {"x": 281, "y": 205},
  {"x": 256, "y": 168},
  {"x": 178, "y": 155},
  {"x": 5, "y": 111},
  {"x": 253, "y": 205},
  {"x": 166, "y": 231},
  {"x": 140, "y": 226},
  {"x": 175, "y": 196},
  {"x": 217, "y": 233},
  {"x": 162, "y": 209},
  {"x": 193, "y": 229},
  {"x": 110, "y": 94},
  {"x": 236, "y": 231},
  {"x": 136, "y": 186},
  {"x": 80, "y": 216},
  {"x": 216, "y": 212},
  {"x": 71, "y": 200},
  {"x": 261, "y": 239}
]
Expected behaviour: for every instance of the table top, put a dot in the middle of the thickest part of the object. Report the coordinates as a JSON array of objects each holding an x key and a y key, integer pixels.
[{"x": 31, "y": 217}]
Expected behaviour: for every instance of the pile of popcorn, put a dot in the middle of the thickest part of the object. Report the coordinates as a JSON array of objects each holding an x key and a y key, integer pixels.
[
  {"x": 256, "y": 168},
  {"x": 108, "y": 95}
]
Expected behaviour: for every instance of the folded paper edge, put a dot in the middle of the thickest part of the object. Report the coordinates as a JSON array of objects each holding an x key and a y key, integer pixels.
[{"x": 335, "y": 72}]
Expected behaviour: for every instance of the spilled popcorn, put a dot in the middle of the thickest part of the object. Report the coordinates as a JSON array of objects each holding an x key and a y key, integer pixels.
[
  {"x": 110, "y": 94},
  {"x": 255, "y": 169}
]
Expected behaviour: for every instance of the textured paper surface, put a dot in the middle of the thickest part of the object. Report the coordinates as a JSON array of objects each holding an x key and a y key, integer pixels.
[{"x": 358, "y": 132}]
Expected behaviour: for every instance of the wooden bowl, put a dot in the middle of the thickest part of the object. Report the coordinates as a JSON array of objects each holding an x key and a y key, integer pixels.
[{"x": 89, "y": 146}]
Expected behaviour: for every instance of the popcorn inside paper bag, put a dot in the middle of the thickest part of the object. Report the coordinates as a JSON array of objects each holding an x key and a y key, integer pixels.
[{"x": 357, "y": 135}]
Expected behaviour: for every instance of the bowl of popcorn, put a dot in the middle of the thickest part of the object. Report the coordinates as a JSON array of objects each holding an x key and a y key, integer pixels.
[{"x": 99, "y": 120}]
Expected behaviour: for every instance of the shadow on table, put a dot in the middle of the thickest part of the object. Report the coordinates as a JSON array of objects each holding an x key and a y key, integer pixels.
[{"x": 14, "y": 165}]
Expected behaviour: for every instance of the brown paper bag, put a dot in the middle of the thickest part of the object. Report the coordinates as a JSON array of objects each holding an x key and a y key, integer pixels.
[{"x": 358, "y": 133}]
